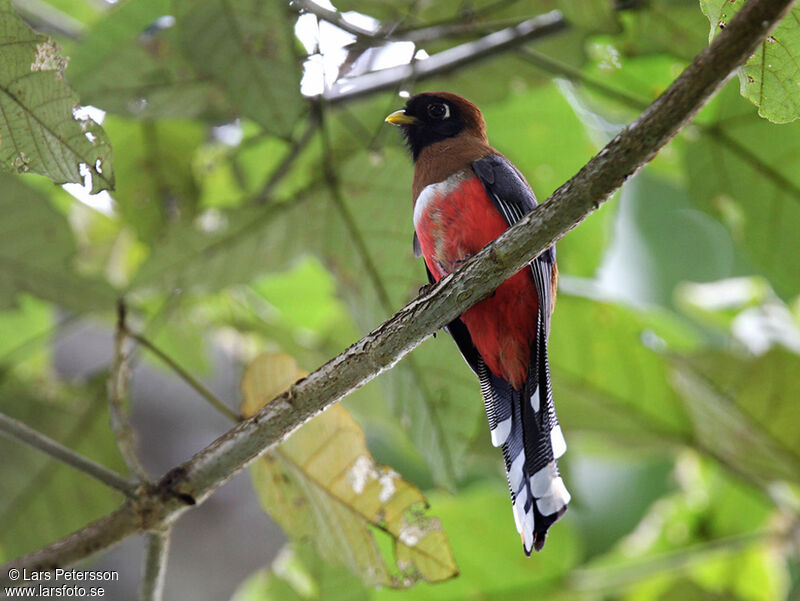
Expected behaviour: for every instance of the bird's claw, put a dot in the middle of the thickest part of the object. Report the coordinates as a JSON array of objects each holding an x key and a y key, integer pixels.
[{"x": 458, "y": 262}]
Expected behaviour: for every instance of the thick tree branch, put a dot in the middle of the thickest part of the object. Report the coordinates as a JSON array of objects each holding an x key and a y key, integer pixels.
[{"x": 192, "y": 482}]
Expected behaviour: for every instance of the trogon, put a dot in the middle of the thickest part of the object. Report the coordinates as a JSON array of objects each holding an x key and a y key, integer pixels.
[{"x": 465, "y": 195}]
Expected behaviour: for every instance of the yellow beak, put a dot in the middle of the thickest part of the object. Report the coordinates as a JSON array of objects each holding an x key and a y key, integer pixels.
[{"x": 400, "y": 118}]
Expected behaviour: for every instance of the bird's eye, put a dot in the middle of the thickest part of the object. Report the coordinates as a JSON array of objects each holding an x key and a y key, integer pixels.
[{"x": 438, "y": 110}]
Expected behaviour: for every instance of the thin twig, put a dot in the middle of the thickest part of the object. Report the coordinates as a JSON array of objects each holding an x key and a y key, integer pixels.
[
  {"x": 624, "y": 412},
  {"x": 155, "y": 566},
  {"x": 447, "y": 60},
  {"x": 715, "y": 131},
  {"x": 746, "y": 154},
  {"x": 193, "y": 481},
  {"x": 117, "y": 395},
  {"x": 334, "y": 17},
  {"x": 19, "y": 431},
  {"x": 435, "y": 33},
  {"x": 45, "y": 18},
  {"x": 626, "y": 574},
  {"x": 42, "y": 476},
  {"x": 612, "y": 578},
  {"x": 465, "y": 14},
  {"x": 332, "y": 181},
  {"x": 559, "y": 69},
  {"x": 283, "y": 168},
  {"x": 201, "y": 389},
  {"x": 419, "y": 35}
]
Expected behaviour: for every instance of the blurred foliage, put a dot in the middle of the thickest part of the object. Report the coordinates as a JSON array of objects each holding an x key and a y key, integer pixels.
[
  {"x": 50, "y": 498},
  {"x": 38, "y": 259},
  {"x": 298, "y": 574},
  {"x": 323, "y": 485},
  {"x": 250, "y": 218}
]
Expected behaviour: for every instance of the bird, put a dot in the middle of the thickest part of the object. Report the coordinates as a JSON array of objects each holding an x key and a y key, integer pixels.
[{"x": 465, "y": 195}]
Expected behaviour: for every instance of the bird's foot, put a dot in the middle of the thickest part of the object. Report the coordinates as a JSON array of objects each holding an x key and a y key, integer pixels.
[{"x": 458, "y": 262}]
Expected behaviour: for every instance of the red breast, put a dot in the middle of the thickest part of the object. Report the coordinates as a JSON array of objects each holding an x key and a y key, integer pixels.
[{"x": 455, "y": 219}]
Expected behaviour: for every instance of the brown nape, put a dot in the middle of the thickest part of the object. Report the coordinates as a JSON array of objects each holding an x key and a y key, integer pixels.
[
  {"x": 442, "y": 159},
  {"x": 471, "y": 114}
]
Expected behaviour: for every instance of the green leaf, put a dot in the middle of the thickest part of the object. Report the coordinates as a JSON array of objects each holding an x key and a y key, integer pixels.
[
  {"x": 51, "y": 498},
  {"x": 226, "y": 174},
  {"x": 38, "y": 131},
  {"x": 645, "y": 266},
  {"x": 305, "y": 296},
  {"x": 29, "y": 321},
  {"x": 154, "y": 167},
  {"x": 712, "y": 532},
  {"x": 745, "y": 410},
  {"x": 296, "y": 310},
  {"x": 746, "y": 173},
  {"x": 683, "y": 537},
  {"x": 228, "y": 247},
  {"x": 440, "y": 406},
  {"x": 266, "y": 585},
  {"x": 129, "y": 66},
  {"x": 300, "y": 574},
  {"x": 247, "y": 47},
  {"x": 599, "y": 511},
  {"x": 322, "y": 484},
  {"x": 754, "y": 574},
  {"x": 36, "y": 252},
  {"x": 770, "y": 78},
  {"x": 672, "y": 27},
  {"x": 609, "y": 374},
  {"x": 184, "y": 339},
  {"x": 512, "y": 72},
  {"x": 592, "y": 15},
  {"x": 487, "y": 549},
  {"x": 513, "y": 77},
  {"x": 686, "y": 590}
]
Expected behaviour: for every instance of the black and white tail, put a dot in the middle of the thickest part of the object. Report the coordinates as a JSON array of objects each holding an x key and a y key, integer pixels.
[{"x": 524, "y": 424}]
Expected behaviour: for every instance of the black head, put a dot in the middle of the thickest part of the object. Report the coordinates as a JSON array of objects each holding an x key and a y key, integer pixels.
[{"x": 435, "y": 116}]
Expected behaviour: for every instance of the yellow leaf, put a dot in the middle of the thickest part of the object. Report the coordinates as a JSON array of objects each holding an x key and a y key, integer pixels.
[
  {"x": 266, "y": 377},
  {"x": 322, "y": 484}
]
